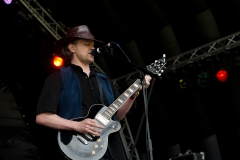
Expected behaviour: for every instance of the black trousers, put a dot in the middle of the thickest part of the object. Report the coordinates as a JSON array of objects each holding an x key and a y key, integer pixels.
[{"x": 107, "y": 156}]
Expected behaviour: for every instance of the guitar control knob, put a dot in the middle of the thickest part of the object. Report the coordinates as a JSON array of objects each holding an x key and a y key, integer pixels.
[
  {"x": 99, "y": 140},
  {"x": 95, "y": 146},
  {"x": 93, "y": 153}
]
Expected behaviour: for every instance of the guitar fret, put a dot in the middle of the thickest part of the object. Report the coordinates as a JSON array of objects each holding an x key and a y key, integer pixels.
[
  {"x": 115, "y": 106},
  {"x": 124, "y": 98},
  {"x": 109, "y": 111},
  {"x": 120, "y": 100},
  {"x": 126, "y": 95},
  {"x": 136, "y": 85},
  {"x": 130, "y": 89},
  {"x": 107, "y": 114},
  {"x": 112, "y": 109},
  {"x": 104, "y": 115},
  {"x": 129, "y": 92},
  {"x": 117, "y": 102}
]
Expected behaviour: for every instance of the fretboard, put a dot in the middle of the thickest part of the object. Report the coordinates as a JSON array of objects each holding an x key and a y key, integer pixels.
[{"x": 110, "y": 111}]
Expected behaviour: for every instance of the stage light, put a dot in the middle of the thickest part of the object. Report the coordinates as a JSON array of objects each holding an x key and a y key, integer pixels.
[
  {"x": 183, "y": 83},
  {"x": 57, "y": 61},
  {"x": 8, "y": 1},
  {"x": 203, "y": 79},
  {"x": 222, "y": 75}
]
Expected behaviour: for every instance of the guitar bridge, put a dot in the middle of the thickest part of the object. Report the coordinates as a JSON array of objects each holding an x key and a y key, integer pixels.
[{"x": 88, "y": 136}]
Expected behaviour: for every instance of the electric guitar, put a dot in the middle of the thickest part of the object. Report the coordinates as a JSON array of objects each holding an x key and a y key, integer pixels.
[{"x": 87, "y": 147}]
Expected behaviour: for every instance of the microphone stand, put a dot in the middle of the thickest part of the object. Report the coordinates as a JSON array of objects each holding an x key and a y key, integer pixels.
[
  {"x": 141, "y": 122},
  {"x": 151, "y": 68},
  {"x": 146, "y": 72}
]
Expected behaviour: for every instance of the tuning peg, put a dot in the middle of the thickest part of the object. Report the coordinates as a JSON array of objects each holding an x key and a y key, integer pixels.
[{"x": 164, "y": 58}]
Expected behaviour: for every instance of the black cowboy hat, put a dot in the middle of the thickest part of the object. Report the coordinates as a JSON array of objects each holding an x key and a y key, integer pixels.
[{"x": 74, "y": 33}]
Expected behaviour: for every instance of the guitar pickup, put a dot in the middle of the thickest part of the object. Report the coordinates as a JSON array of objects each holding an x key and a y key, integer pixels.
[
  {"x": 80, "y": 138},
  {"x": 102, "y": 119}
]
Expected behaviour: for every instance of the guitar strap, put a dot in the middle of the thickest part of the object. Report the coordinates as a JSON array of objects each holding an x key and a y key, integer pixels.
[{"x": 100, "y": 88}]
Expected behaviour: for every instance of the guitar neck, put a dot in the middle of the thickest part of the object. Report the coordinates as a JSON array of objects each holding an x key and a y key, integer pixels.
[{"x": 112, "y": 109}]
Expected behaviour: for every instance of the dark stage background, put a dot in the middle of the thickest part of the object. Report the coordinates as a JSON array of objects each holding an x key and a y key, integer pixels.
[{"x": 202, "y": 115}]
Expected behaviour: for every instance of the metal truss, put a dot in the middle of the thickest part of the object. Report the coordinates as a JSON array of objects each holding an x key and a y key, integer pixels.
[
  {"x": 36, "y": 10},
  {"x": 187, "y": 58},
  {"x": 127, "y": 139},
  {"x": 57, "y": 31},
  {"x": 205, "y": 51}
]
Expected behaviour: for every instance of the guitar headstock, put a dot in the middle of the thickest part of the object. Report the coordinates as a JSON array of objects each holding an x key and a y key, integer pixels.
[{"x": 158, "y": 66}]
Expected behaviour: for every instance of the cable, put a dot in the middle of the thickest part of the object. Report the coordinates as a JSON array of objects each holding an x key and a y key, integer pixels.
[{"x": 122, "y": 51}]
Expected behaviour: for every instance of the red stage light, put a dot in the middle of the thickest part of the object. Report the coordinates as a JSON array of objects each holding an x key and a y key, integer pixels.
[
  {"x": 57, "y": 61},
  {"x": 222, "y": 75}
]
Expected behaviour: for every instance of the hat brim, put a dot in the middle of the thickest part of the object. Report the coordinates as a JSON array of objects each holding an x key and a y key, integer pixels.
[{"x": 66, "y": 40}]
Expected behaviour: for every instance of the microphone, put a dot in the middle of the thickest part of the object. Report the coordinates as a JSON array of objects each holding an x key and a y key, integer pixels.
[{"x": 104, "y": 48}]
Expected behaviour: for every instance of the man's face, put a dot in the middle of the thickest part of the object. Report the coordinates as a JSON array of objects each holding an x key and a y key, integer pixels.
[{"x": 82, "y": 51}]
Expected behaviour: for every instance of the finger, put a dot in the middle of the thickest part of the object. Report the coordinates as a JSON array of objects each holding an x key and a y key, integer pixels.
[
  {"x": 99, "y": 127},
  {"x": 148, "y": 77},
  {"x": 93, "y": 122},
  {"x": 137, "y": 94},
  {"x": 96, "y": 125},
  {"x": 95, "y": 131},
  {"x": 139, "y": 89}
]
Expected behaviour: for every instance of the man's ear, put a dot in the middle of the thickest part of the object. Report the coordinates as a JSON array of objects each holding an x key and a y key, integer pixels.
[{"x": 71, "y": 47}]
